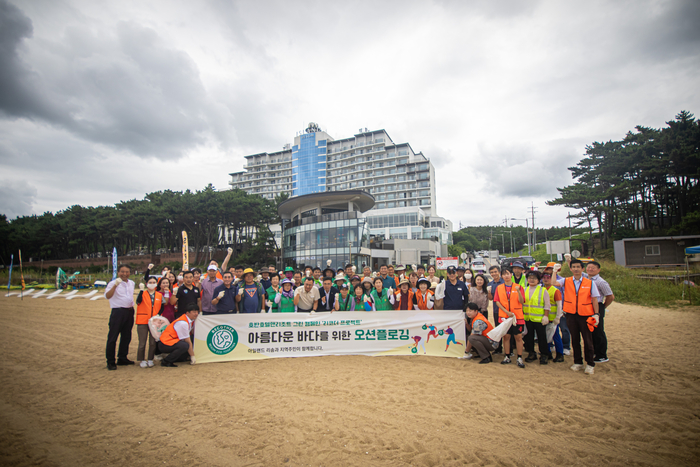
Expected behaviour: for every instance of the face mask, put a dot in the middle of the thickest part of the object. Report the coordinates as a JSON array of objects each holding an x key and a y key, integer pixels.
[
  {"x": 468, "y": 276},
  {"x": 151, "y": 287}
]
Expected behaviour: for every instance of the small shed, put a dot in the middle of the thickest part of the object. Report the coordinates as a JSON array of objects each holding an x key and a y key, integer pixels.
[{"x": 653, "y": 251}]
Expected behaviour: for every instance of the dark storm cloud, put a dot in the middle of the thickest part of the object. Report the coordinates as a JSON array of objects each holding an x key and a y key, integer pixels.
[
  {"x": 17, "y": 198},
  {"x": 125, "y": 88},
  {"x": 19, "y": 96}
]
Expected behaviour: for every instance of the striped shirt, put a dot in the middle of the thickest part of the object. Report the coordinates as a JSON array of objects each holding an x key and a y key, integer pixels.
[{"x": 601, "y": 284}]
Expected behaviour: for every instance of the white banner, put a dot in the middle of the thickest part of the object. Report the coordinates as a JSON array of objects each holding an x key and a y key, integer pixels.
[
  {"x": 444, "y": 263},
  {"x": 252, "y": 336}
]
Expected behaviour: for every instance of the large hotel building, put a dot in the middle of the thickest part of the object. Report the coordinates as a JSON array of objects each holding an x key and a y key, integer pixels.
[{"x": 401, "y": 181}]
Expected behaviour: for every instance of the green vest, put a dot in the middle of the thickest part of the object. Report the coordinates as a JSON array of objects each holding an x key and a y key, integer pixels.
[
  {"x": 344, "y": 304},
  {"x": 270, "y": 292},
  {"x": 522, "y": 282},
  {"x": 552, "y": 304},
  {"x": 381, "y": 303},
  {"x": 286, "y": 305},
  {"x": 533, "y": 308}
]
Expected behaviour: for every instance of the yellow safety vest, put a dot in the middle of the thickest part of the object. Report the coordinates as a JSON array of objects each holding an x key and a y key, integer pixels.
[
  {"x": 533, "y": 308},
  {"x": 552, "y": 304}
]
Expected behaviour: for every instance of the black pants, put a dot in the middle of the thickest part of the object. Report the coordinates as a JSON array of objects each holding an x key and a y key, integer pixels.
[
  {"x": 121, "y": 322},
  {"x": 175, "y": 352},
  {"x": 529, "y": 340},
  {"x": 600, "y": 340},
  {"x": 578, "y": 327}
]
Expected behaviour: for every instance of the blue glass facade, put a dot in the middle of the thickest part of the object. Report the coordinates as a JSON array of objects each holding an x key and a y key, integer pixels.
[{"x": 308, "y": 165}]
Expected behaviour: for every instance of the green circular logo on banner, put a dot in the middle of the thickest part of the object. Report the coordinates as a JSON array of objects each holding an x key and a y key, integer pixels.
[{"x": 222, "y": 339}]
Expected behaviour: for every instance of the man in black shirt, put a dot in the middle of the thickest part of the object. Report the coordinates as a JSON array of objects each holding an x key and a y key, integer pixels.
[{"x": 186, "y": 294}]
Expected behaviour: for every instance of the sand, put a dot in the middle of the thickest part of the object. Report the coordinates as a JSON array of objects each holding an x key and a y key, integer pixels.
[{"x": 60, "y": 406}]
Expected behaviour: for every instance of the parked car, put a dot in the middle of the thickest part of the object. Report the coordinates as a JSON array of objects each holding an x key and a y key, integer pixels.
[{"x": 526, "y": 260}]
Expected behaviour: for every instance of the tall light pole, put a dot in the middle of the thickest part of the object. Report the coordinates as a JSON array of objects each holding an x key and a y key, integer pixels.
[{"x": 527, "y": 230}]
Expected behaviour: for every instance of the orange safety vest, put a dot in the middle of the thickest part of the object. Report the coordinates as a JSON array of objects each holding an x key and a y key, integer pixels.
[
  {"x": 169, "y": 336},
  {"x": 514, "y": 306},
  {"x": 582, "y": 303},
  {"x": 489, "y": 326},
  {"x": 146, "y": 310},
  {"x": 397, "y": 301},
  {"x": 423, "y": 303}
]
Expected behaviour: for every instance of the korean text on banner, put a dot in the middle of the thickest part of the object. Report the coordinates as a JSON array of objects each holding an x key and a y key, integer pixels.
[
  {"x": 220, "y": 338},
  {"x": 185, "y": 252}
]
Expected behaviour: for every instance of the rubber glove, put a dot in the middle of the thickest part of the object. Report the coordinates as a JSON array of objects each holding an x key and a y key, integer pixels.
[
  {"x": 597, "y": 319},
  {"x": 119, "y": 280},
  {"x": 150, "y": 266},
  {"x": 545, "y": 320},
  {"x": 193, "y": 360},
  {"x": 240, "y": 291},
  {"x": 141, "y": 286},
  {"x": 221, "y": 295},
  {"x": 230, "y": 250}
]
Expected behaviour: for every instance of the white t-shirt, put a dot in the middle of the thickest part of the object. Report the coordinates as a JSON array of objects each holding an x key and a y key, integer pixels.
[
  {"x": 123, "y": 296},
  {"x": 183, "y": 328},
  {"x": 307, "y": 299}
]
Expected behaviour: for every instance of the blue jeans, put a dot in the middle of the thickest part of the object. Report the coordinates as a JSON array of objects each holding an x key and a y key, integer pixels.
[{"x": 565, "y": 334}]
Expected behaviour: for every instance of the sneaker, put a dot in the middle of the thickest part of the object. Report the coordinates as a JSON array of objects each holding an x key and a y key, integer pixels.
[
  {"x": 486, "y": 360},
  {"x": 520, "y": 363},
  {"x": 567, "y": 352},
  {"x": 576, "y": 367},
  {"x": 167, "y": 364},
  {"x": 601, "y": 360},
  {"x": 531, "y": 357},
  {"x": 505, "y": 361},
  {"x": 150, "y": 364},
  {"x": 544, "y": 360},
  {"x": 111, "y": 366},
  {"x": 589, "y": 370},
  {"x": 143, "y": 364},
  {"x": 468, "y": 356},
  {"x": 558, "y": 359},
  {"x": 158, "y": 358},
  {"x": 124, "y": 361}
]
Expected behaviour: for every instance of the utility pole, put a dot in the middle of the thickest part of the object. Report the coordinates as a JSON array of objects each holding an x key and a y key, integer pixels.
[
  {"x": 533, "y": 209},
  {"x": 490, "y": 237},
  {"x": 505, "y": 222}
]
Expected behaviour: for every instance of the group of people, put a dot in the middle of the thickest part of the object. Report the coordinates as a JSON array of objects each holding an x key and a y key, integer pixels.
[{"x": 571, "y": 309}]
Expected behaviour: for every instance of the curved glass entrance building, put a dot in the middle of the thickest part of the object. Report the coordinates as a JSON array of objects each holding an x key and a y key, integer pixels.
[{"x": 326, "y": 226}]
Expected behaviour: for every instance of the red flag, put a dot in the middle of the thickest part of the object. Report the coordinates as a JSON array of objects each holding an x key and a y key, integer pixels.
[{"x": 21, "y": 275}]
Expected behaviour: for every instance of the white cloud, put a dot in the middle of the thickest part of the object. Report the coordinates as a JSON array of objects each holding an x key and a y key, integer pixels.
[{"x": 130, "y": 97}]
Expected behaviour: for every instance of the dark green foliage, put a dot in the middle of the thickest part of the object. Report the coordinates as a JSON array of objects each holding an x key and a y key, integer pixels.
[
  {"x": 646, "y": 184},
  {"x": 147, "y": 225}
]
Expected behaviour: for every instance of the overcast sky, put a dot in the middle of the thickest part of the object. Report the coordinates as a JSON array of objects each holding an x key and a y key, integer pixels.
[{"x": 106, "y": 101}]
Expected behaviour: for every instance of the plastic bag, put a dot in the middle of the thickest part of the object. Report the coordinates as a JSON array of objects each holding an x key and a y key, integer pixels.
[
  {"x": 440, "y": 291},
  {"x": 157, "y": 325},
  {"x": 551, "y": 329},
  {"x": 497, "y": 333}
]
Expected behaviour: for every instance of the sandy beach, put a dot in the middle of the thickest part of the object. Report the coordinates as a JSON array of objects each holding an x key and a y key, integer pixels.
[{"x": 60, "y": 406}]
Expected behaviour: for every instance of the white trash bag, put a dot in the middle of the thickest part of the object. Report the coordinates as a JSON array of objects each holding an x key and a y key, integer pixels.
[
  {"x": 157, "y": 325},
  {"x": 551, "y": 329},
  {"x": 497, "y": 333}
]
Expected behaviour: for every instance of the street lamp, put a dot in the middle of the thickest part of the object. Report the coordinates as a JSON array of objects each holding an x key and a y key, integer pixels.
[{"x": 527, "y": 230}]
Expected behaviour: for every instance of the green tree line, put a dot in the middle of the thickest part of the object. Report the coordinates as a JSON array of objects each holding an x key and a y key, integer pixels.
[
  {"x": 498, "y": 237},
  {"x": 148, "y": 225},
  {"x": 644, "y": 184}
]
